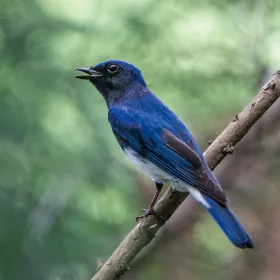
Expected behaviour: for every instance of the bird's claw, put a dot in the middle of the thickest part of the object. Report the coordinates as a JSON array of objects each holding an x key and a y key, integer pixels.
[{"x": 149, "y": 212}]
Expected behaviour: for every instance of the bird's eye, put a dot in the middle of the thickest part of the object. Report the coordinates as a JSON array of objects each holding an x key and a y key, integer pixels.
[{"x": 113, "y": 68}]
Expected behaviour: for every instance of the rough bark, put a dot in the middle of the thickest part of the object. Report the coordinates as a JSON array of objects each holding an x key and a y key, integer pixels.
[{"x": 145, "y": 231}]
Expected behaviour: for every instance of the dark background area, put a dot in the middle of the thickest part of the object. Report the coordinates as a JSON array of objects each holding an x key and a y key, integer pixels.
[{"x": 68, "y": 195}]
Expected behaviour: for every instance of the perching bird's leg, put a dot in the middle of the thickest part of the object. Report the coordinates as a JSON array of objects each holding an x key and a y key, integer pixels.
[{"x": 150, "y": 210}]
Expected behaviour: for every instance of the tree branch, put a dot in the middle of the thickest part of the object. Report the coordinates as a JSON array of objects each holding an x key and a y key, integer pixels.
[{"x": 145, "y": 231}]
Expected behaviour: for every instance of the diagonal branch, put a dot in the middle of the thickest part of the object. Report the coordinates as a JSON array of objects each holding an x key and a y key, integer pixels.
[{"x": 144, "y": 232}]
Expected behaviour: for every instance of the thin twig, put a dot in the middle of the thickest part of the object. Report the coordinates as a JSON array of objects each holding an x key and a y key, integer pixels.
[{"x": 145, "y": 231}]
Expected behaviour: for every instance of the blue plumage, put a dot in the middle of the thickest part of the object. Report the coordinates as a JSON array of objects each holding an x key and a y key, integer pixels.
[
  {"x": 229, "y": 223},
  {"x": 159, "y": 143}
]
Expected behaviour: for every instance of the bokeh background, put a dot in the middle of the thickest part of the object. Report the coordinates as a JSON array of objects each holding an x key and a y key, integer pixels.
[{"x": 68, "y": 195}]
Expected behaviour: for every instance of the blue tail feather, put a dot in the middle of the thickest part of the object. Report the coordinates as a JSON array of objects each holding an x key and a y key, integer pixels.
[{"x": 229, "y": 223}]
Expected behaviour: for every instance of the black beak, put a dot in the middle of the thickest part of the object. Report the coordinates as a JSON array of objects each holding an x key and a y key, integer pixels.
[{"x": 91, "y": 73}]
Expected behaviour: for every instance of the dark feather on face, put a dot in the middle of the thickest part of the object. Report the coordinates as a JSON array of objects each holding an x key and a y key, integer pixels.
[{"x": 115, "y": 78}]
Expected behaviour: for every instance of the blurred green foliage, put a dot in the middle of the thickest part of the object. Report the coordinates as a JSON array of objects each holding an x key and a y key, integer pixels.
[{"x": 67, "y": 194}]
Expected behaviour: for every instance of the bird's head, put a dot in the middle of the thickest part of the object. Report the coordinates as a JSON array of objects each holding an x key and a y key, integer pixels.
[{"x": 112, "y": 78}]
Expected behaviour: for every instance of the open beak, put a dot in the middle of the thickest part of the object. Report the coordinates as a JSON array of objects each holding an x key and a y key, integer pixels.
[{"x": 91, "y": 73}]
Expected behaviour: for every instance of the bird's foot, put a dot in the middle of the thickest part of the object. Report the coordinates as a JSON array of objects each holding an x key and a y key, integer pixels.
[{"x": 149, "y": 212}]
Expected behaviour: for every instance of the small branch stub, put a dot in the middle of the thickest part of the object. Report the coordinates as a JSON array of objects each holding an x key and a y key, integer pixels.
[
  {"x": 236, "y": 118},
  {"x": 228, "y": 149},
  {"x": 99, "y": 264}
]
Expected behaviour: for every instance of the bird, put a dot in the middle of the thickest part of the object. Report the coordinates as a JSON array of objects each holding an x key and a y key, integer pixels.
[{"x": 158, "y": 142}]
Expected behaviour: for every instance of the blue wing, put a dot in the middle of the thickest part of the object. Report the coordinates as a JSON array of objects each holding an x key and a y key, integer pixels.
[{"x": 148, "y": 137}]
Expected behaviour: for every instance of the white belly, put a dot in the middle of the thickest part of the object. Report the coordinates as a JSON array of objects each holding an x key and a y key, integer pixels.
[
  {"x": 160, "y": 176},
  {"x": 154, "y": 172}
]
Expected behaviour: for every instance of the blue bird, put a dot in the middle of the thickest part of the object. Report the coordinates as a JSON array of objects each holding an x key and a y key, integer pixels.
[{"x": 156, "y": 140}]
